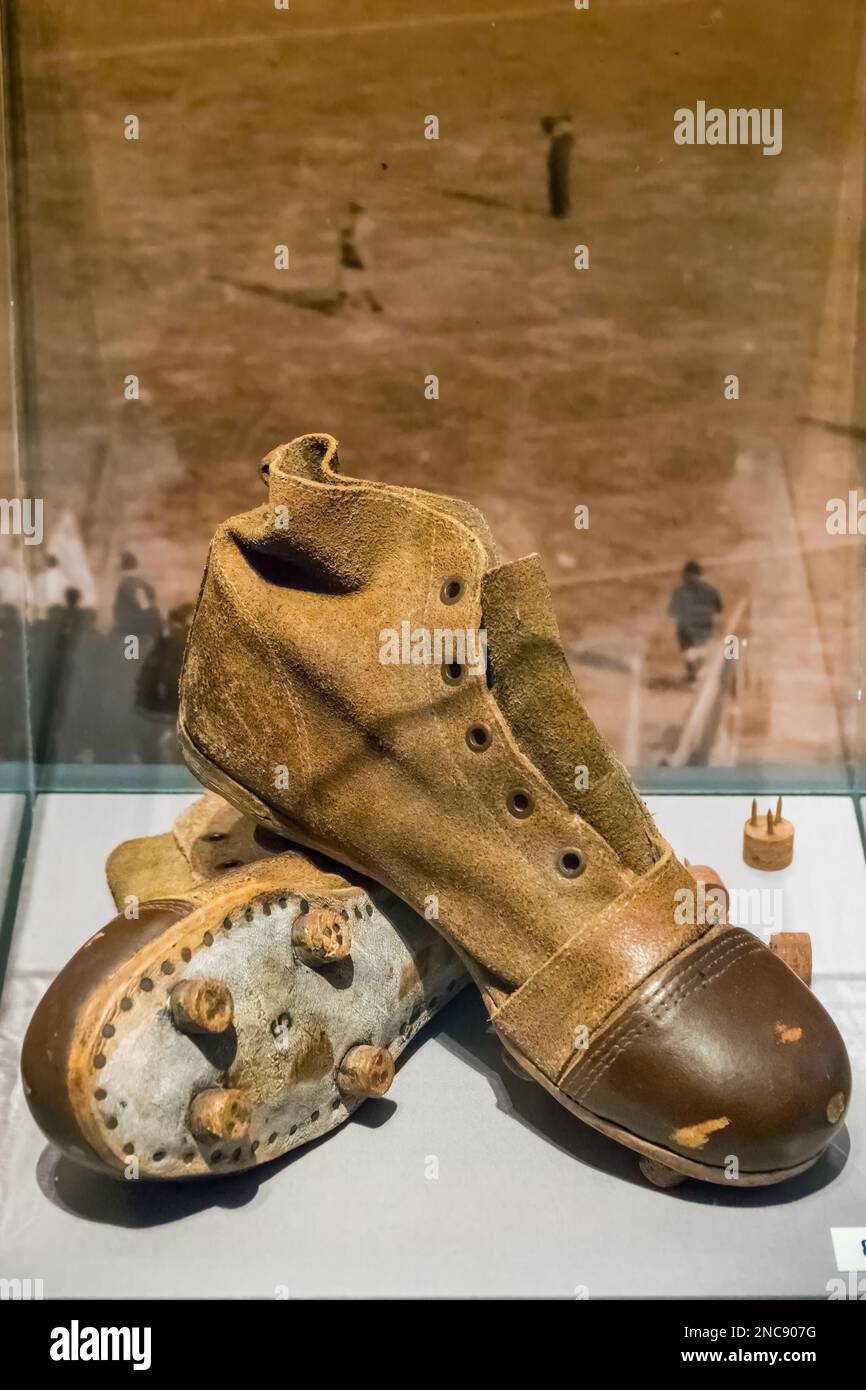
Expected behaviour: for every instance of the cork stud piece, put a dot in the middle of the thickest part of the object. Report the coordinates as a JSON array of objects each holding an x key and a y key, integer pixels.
[
  {"x": 219, "y": 1114},
  {"x": 516, "y": 1070},
  {"x": 366, "y": 1071},
  {"x": 321, "y": 936},
  {"x": 659, "y": 1174},
  {"x": 795, "y": 949},
  {"x": 768, "y": 842},
  {"x": 717, "y": 899},
  {"x": 202, "y": 1006}
]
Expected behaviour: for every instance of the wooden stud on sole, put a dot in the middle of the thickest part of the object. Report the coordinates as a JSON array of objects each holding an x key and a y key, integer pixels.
[
  {"x": 513, "y": 1067},
  {"x": 365, "y": 1071},
  {"x": 202, "y": 1006},
  {"x": 321, "y": 937},
  {"x": 659, "y": 1174},
  {"x": 219, "y": 1114}
]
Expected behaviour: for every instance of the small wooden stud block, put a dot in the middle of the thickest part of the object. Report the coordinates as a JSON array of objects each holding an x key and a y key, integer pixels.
[
  {"x": 659, "y": 1174},
  {"x": 795, "y": 949},
  {"x": 512, "y": 1066},
  {"x": 321, "y": 936},
  {"x": 366, "y": 1071},
  {"x": 715, "y": 891},
  {"x": 220, "y": 1114},
  {"x": 768, "y": 841},
  {"x": 202, "y": 1006}
]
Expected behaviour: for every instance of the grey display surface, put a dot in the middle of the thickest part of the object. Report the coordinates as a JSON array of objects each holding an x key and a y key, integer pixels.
[{"x": 465, "y": 1180}]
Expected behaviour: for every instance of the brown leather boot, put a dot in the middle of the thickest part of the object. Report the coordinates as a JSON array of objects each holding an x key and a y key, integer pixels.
[
  {"x": 254, "y": 1001},
  {"x": 335, "y": 689}
]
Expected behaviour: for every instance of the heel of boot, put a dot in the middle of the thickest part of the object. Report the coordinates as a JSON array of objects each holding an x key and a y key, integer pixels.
[
  {"x": 250, "y": 805},
  {"x": 215, "y": 780}
]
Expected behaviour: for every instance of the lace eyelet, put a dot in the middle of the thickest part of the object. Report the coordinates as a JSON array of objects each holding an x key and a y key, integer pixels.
[
  {"x": 452, "y": 590},
  {"x": 520, "y": 803},
  {"x": 571, "y": 863},
  {"x": 453, "y": 672},
  {"x": 479, "y": 737}
]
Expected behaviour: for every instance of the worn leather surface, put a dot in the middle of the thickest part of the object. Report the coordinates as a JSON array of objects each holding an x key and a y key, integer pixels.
[
  {"x": 580, "y": 986},
  {"x": 152, "y": 866},
  {"x": 284, "y": 694}
]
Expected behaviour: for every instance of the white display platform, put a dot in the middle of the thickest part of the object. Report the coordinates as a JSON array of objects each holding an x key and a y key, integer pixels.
[{"x": 527, "y": 1201}]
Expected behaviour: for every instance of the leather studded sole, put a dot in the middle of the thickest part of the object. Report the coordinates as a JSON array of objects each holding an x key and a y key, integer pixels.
[{"x": 236, "y": 1036}]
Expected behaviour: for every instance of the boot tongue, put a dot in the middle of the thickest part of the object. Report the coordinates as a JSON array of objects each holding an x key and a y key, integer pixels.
[{"x": 535, "y": 690}]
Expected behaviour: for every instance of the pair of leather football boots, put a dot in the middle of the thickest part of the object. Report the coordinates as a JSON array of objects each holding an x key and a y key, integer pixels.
[{"x": 333, "y": 697}]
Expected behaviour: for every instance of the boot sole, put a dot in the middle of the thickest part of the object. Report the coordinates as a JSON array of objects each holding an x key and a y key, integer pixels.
[
  {"x": 283, "y": 1055},
  {"x": 656, "y": 1161},
  {"x": 654, "y": 1156}
]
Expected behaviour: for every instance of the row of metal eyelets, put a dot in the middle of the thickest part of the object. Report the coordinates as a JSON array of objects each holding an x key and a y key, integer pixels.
[{"x": 571, "y": 862}]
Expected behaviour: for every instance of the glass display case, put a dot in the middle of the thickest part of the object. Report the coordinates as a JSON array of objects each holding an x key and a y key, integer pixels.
[
  {"x": 16, "y": 761},
  {"x": 596, "y": 270}
]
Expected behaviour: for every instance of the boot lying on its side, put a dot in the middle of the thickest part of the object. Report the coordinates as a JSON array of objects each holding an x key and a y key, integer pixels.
[
  {"x": 251, "y": 1005},
  {"x": 317, "y": 698}
]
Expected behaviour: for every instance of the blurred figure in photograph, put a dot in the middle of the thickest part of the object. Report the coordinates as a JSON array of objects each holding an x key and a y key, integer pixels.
[
  {"x": 356, "y": 258},
  {"x": 694, "y": 605},
  {"x": 13, "y": 743},
  {"x": 66, "y": 651},
  {"x": 156, "y": 694},
  {"x": 48, "y": 587},
  {"x": 135, "y": 611},
  {"x": 10, "y": 587},
  {"x": 560, "y": 135},
  {"x": 135, "y": 614}
]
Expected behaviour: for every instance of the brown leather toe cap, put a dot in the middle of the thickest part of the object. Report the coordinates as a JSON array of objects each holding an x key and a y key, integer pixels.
[{"x": 724, "y": 1053}]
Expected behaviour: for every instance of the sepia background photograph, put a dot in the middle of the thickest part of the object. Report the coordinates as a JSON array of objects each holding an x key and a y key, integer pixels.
[{"x": 462, "y": 238}]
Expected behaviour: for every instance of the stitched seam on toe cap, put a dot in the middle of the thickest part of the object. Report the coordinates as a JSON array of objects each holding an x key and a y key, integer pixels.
[
  {"x": 722, "y": 962},
  {"x": 628, "y": 1041},
  {"x": 667, "y": 994}
]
